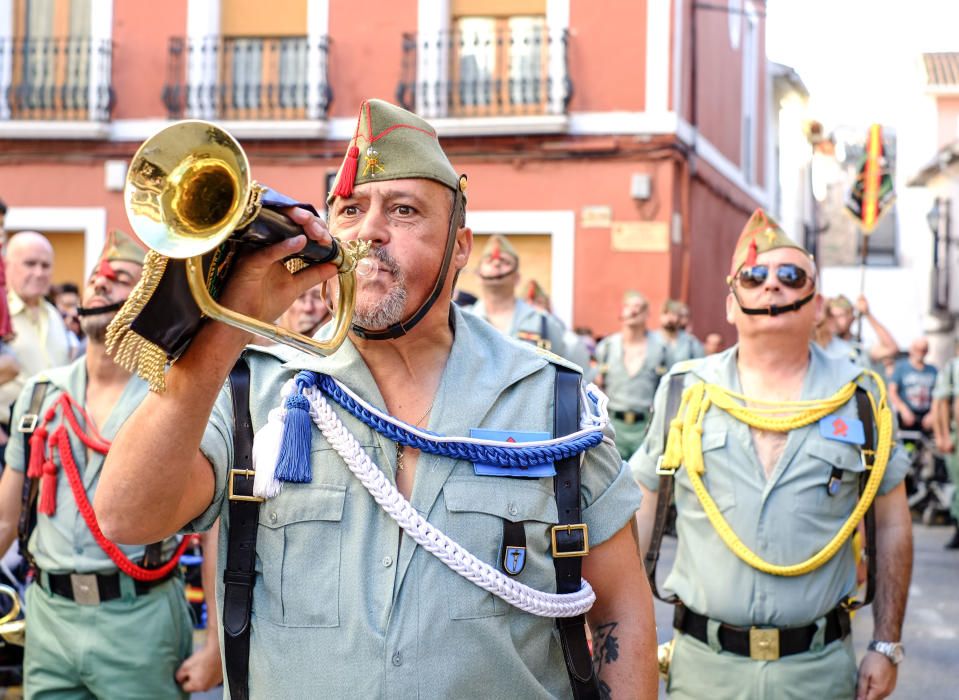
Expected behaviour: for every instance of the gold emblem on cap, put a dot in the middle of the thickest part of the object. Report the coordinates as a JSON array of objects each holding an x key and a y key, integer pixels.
[
  {"x": 373, "y": 164},
  {"x": 462, "y": 183}
]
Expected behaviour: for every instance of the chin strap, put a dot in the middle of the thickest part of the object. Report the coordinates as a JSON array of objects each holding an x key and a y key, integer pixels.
[
  {"x": 96, "y": 310},
  {"x": 773, "y": 309},
  {"x": 404, "y": 327},
  {"x": 502, "y": 275}
]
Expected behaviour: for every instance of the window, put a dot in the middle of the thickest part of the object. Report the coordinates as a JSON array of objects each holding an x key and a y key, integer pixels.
[{"x": 750, "y": 106}]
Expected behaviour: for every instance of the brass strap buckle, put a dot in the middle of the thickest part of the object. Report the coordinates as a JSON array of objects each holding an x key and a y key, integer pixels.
[
  {"x": 569, "y": 529},
  {"x": 28, "y": 422},
  {"x": 763, "y": 643},
  {"x": 86, "y": 590},
  {"x": 248, "y": 473}
]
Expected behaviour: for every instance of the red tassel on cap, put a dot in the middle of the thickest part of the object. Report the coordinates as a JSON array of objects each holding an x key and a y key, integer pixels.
[
  {"x": 751, "y": 255},
  {"x": 106, "y": 271},
  {"x": 48, "y": 489},
  {"x": 38, "y": 446},
  {"x": 344, "y": 186}
]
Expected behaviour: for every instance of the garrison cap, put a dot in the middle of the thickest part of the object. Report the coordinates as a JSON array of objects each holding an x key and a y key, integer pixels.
[
  {"x": 535, "y": 294},
  {"x": 120, "y": 246},
  {"x": 760, "y": 235},
  {"x": 498, "y": 246},
  {"x": 391, "y": 143},
  {"x": 839, "y": 302}
]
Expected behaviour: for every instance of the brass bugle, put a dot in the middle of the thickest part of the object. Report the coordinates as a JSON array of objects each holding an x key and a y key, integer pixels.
[
  {"x": 12, "y": 626},
  {"x": 190, "y": 198}
]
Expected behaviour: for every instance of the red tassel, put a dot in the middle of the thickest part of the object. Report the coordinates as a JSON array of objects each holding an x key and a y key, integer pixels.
[
  {"x": 751, "y": 255},
  {"x": 48, "y": 489},
  {"x": 344, "y": 186},
  {"x": 38, "y": 446}
]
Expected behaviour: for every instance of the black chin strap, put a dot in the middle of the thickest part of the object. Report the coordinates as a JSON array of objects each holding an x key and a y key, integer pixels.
[
  {"x": 773, "y": 309},
  {"x": 502, "y": 275},
  {"x": 97, "y": 310},
  {"x": 404, "y": 327}
]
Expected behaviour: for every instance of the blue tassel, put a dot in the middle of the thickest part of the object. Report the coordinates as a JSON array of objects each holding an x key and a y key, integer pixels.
[{"x": 293, "y": 464}]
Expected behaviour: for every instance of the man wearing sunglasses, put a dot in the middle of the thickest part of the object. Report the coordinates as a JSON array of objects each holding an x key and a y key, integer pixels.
[{"x": 765, "y": 462}]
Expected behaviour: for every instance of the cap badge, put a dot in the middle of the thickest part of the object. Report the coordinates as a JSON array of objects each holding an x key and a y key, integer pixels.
[{"x": 373, "y": 164}]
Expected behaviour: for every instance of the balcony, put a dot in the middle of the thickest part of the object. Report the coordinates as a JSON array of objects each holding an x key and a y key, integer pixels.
[
  {"x": 482, "y": 74},
  {"x": 52, "y": 85},
  {"x": 247, "y": 79}
]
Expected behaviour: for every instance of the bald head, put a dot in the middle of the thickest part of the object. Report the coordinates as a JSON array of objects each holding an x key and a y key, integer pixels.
[{"x": 29, "y": 265}]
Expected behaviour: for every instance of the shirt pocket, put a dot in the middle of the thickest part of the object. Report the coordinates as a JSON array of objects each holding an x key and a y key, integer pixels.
[
  {"x": 298, "y": 551},
  {"x": 476, "y": 508},
  {"x": 813, "y": 493},
  {"x": 719, "y": 481}
]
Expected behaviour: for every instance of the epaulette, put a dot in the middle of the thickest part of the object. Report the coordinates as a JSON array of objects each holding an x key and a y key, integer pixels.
[
  {"x": 555, "y": 359},
  {"x": 684, "y": 365}
]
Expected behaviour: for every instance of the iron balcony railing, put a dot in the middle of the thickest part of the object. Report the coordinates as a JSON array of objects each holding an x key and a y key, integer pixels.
[
  {"x": 58, "y": 79},
  {"x": 247, "y": 78},
  {"x": 466, "y": 73}
]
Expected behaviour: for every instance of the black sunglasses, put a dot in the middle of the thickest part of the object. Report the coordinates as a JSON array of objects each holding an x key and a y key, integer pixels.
[{"x": 789, "y": 274}]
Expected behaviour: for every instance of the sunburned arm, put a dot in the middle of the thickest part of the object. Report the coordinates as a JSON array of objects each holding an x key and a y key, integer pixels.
[
  {"x": 203, "y": 670},
  {"x": 622, "y": 621},
  {"x": 940, "y": 424}
]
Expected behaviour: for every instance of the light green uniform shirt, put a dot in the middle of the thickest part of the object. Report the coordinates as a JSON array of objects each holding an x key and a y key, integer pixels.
[
  {"x": 64, "y": 543},
  {"x": 686, "y": 347},
  {"x": 631, "y": 392},
  {"x": 784, "y": 519},
  {"x": 344, "y": 605},
  {"x": 947, "y": 380},
  {"x": 532, "y": 323}
]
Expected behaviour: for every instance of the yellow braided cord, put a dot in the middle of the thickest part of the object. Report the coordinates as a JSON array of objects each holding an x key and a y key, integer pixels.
[{"x": 685, "y": 445}]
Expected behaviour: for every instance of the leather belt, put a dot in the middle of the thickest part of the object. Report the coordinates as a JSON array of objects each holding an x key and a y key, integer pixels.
[
  {"x": 93, "y": 589},
  {"x": 629, "y": 417},
  {"x": 762, "y": 643}
]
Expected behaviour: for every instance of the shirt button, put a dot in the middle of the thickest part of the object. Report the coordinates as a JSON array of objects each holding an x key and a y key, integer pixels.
[
  {"x": 397, "y": 659},
  {"x": 78, "y": 549},
  {"x": 387, "y": 561},
  {"x": 273, "y": 517},
  {"x": 513, "y": 510}
]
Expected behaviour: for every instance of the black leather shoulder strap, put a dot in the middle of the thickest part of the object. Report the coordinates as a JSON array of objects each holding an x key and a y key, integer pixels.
[
  {"x": 664, "y": 499},
  {"x": 864, "y": 408},
  {"x": 569, "y": 569},
  {"x": 238, "y": 574},
  {"x": 28, "y": 510}
]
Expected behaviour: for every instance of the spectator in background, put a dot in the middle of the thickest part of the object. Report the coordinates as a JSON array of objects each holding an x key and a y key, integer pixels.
[
  {"x": 713, "y": 344},
  {"x": 680, "y": 345},
  {"x": 307, "y": 313},
  {"x": 41, "y": 341},
  {"x": 6, "y": 325},
  {"x": 910, "y": 388},
  {"x": 66, "y": 297},
  {"x": 575, "y": 348}
]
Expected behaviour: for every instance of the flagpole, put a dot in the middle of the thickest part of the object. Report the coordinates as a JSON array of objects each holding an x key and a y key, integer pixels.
[{"x": 862, "y": 283}]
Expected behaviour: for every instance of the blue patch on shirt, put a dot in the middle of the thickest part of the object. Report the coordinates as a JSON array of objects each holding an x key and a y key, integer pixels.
[
  {"x": 535, "y": 472},
  {"x": 843, "y": 429}
]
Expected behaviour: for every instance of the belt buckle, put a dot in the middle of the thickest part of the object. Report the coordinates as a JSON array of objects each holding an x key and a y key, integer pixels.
[
  {"x": 763, "y": 643},
  {"x": 248, "y": 473},
  {"x": 28, "y": 422},
  {"x": 86, "y": 590},
  {"x": 630, "y": 417},
  {"x": 579, "y": 527}
]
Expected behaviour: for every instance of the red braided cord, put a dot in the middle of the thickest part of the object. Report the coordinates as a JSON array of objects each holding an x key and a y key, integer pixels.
[
  {"x": 86, "y": 510},
  {"x": 97, "y": 442}
]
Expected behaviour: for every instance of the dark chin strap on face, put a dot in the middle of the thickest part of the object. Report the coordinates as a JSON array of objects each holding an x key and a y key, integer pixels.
[
  {"x": 404, "y": 327},
  {"x": 97, "y": 310},
  {"x": 500, "y": 276},
  {"x": 773, "y": 309}
]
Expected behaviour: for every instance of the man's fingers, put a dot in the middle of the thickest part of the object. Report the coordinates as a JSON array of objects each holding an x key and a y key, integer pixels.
[{"x": 314, "y": 227}]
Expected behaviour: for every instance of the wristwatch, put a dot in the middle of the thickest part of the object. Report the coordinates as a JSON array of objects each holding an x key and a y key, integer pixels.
[{"x": 894, "y": 651}]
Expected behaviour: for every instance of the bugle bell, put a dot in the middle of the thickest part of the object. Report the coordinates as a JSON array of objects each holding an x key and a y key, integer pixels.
[
  {"x": 12, "y": 626},
  {"x": 190, "y": 198}
]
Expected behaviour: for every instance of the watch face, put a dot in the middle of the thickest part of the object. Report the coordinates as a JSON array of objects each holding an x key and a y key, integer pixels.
[
  {"x": 897, "y": 653},
  {"x": 894, "y": 651}
]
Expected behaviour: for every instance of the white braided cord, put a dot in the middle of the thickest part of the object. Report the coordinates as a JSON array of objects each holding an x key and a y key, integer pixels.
[{"x": 431, "y": 538}]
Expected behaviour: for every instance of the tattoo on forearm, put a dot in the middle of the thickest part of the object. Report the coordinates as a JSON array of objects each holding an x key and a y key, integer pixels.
[{"x": 605, "y": 645}]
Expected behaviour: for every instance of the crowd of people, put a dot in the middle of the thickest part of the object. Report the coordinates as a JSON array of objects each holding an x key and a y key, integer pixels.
[{"x": 469, "y": 551}]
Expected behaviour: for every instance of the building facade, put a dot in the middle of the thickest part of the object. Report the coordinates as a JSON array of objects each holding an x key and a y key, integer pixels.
[{"x": 621, "y": 144}]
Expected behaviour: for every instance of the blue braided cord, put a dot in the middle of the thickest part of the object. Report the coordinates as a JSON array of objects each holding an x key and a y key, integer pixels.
[{"x": 518, "y": 456}]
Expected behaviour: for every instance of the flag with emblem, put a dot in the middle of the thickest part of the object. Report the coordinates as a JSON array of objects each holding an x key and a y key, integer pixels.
[{"x": 872, "y": 193}]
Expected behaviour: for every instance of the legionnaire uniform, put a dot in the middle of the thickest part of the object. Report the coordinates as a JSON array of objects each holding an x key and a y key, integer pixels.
[
  {"x": 631, "y": 396},
  {"x": 576, "y": 350},
  {"x": 686, "y": 347},
  {"x": 784, "y": 518},
  {"x": 91, "y": 630},
  {"x": 947, "y": 387},
  {"x": 529, "y": 324},
  {"x": 332, "y": 573},
  {"x": 336, "y": 581}
]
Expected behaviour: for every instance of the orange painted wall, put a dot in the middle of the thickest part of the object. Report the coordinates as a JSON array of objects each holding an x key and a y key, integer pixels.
[
  {"x": 948, "y": 113},
  {"x": 141, "y": 34},
  {"x": 366, "y": 51},
  {"x": 607, "y": 55}
]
